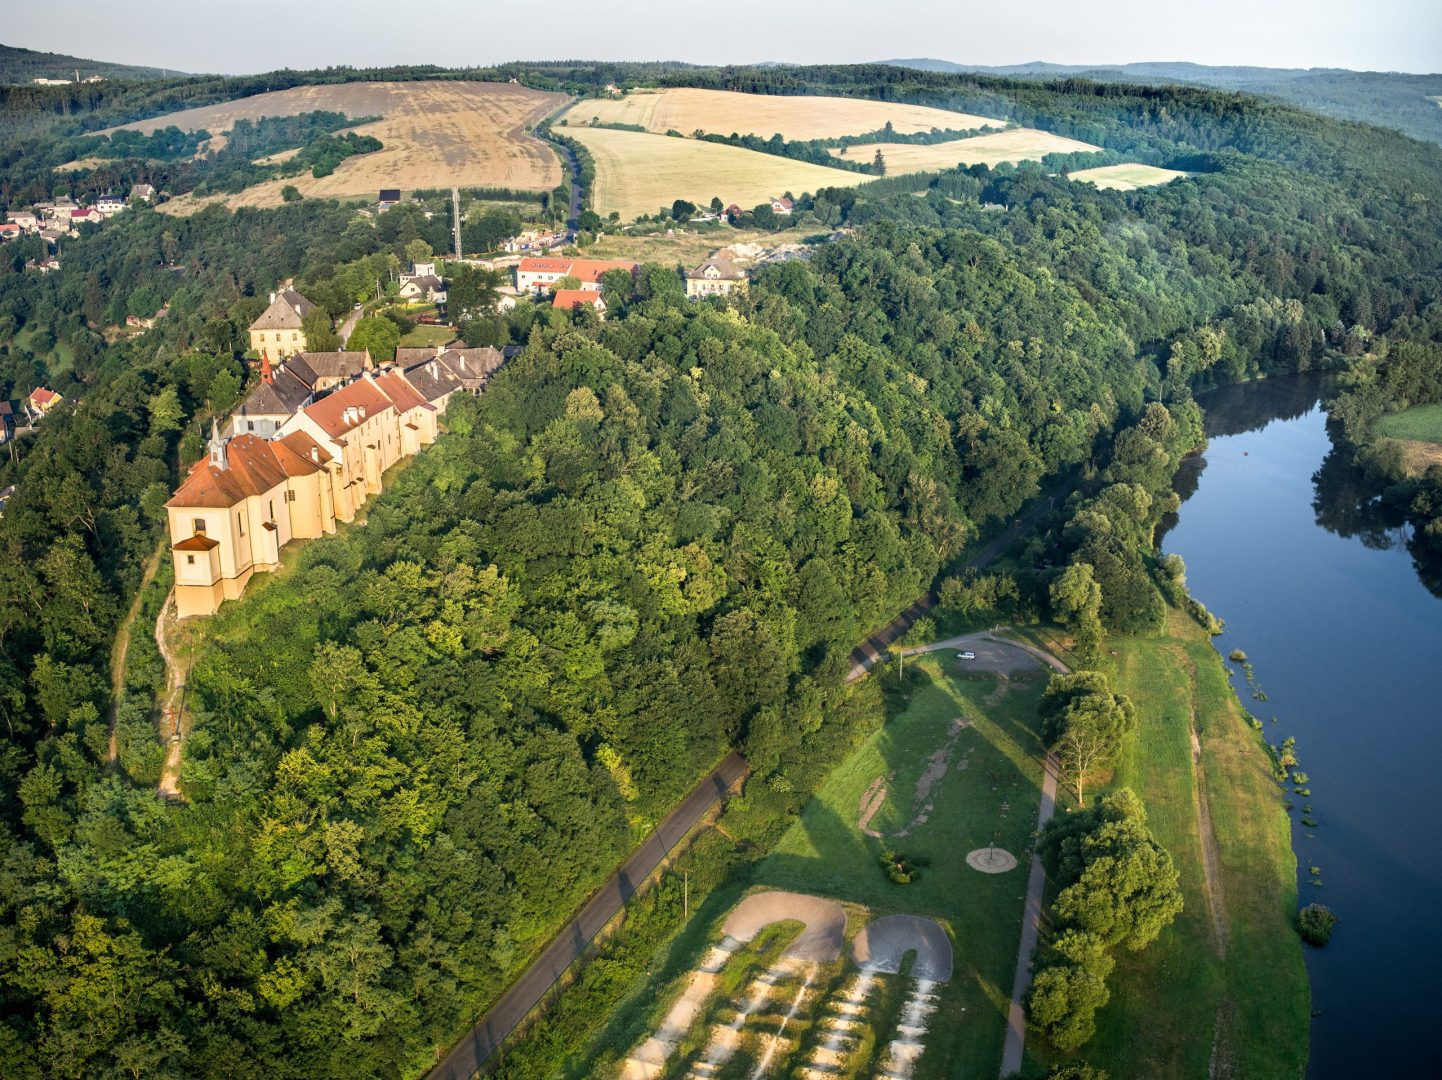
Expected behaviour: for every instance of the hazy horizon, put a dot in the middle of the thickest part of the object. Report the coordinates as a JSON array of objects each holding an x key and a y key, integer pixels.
[{"x": 1387, "y": 35}]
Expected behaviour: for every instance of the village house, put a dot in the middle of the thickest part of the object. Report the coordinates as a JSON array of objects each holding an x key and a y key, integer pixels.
[
  {"x": 142, "y": 191},
  {"x": 7, "y": 422},
  {"x": 717, "y": 276},
  {"x": 27, "y": 221},
  {"x": 278, "y": 332},
  {"x": 781, "y": 205},
  {"x": 388, "y": 197},
  {"x": 471, "y": 368},
  {"x": 539, "y": 275},
  {"x": 85, "y": 215},
  {"x": 423, "y": 284},
  {"x": 41, "y": 400},
  {"x": 571, "y": 299},
  {"x": 44, "y": 266},
  {"x": 52, "y": 237},
  {"x": 9, "y": 230},
  {"x": 110, "y": 204}
]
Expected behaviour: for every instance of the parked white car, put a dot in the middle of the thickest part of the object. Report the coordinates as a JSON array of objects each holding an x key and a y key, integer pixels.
[{"x": 966, "y": 656}]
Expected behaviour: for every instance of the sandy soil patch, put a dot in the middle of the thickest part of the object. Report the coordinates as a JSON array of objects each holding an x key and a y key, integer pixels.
[
  {"x": 871, "y": 801},
  {"x": 825, "y": 922},
  {"x": 1018, "y": 144},
  {"x": 991, "y": 860},
  {"x": 725, "y": 112},
  {"x": 436, "y": 134},
  {"x": 1128, "y": 177},
  {"x": 639, "y": 174}
]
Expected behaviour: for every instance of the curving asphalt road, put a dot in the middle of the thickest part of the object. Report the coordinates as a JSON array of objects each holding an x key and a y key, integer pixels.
[
  {"x": 869, "y": 653},
  {"x": 526, "y": 993}
]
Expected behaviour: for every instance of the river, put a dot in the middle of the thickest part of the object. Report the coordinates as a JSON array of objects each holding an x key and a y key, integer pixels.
[{"x": 1317, "y": 585}]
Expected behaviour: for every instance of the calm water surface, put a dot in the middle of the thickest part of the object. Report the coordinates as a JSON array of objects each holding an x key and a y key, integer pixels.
[{"x": 1317, "y": 585}]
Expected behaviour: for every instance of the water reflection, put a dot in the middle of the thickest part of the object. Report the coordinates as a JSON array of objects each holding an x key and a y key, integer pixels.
[{"x": 1346, "y": 502}]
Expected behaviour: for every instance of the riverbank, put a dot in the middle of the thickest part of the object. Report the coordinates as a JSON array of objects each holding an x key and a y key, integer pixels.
[{"x": 1223, "y": 992}]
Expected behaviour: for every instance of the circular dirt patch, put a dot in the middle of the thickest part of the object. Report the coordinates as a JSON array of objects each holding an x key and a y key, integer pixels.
[{"x": 991, "y": 860}]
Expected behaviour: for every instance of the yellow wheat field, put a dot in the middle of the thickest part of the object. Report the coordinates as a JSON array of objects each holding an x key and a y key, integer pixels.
[
  {"x": 436, "y": 134},
  {"x": 638, "y": 173},
  {"x": 1018, "y": 144},
  {"x": 724, "y": 112},
  {"x": 1127, "y": 177}
]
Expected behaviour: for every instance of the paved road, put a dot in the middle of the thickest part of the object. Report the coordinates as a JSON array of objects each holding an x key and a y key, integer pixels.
[
  {"x": 350, "y": 320},
  {"x": 1011, "y": 1053},
  {"x": 491, "y": 1030},
  {"x": 869, "y": 653}
]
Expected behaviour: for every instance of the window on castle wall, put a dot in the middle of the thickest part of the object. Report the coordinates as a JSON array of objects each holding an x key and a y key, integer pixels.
[
  {"x": 190, "y": 560},
  {"x": 240, "y": 524},
  {"x": 198, "y": 525}
]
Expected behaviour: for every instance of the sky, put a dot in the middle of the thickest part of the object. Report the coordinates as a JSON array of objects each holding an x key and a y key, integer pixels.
[{"x": 262, "y": 35}]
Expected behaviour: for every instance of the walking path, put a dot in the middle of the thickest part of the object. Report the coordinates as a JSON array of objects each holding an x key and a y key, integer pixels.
[
  {"x": 526, "y": 993},
  {"x": 172, "y": 702},
  {"x": 1011, "y": 1053},
  {"x": 122, "y": 648}
]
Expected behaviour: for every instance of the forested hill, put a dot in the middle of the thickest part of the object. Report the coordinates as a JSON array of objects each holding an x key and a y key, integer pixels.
[
  {"x": 22, "y": 65},
  {"x": 652, "y": 538},
  {"x": 1392, "y": 99}
]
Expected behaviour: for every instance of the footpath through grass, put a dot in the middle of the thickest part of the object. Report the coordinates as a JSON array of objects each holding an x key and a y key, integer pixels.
[{"x": 1224, "y": 992}]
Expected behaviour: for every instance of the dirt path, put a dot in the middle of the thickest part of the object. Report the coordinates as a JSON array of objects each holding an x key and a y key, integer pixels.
[
  {"x": 122, "y": 648},
  {"x": 1211, "y": 856},
  {"x": 173, "y": 725},
  {"x": 1011, "y": 1054}
]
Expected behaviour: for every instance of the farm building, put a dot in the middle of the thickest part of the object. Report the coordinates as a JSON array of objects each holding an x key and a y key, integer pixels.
[
  {"x": 781, "y": 205},
  {"x": 538, "y": 275},
  {"x": 571, "y": 299},
  {"x": 387, "y": 198}
]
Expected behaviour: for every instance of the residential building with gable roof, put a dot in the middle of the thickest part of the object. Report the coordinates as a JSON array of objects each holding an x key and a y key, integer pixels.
[
  {"x": 717, "y": 276},
  {"x": 279, "y": 331},
  {"x": 540, "y": 275}
]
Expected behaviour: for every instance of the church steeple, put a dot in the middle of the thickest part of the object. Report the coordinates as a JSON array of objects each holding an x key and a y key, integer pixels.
[{"x": 217, "y": 447}]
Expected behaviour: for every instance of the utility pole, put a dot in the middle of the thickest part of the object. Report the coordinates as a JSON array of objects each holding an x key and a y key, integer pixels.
[{"x": 456, "y": 217}]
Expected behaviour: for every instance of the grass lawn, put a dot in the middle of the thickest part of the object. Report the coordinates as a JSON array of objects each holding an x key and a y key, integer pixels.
[
  {"x": 424, "y": 336},
  {"x": 1240, "y": 996},
  {"x": 825, "y": 852},
  {"x": 58, "y": 360},
  {"x": 1422, "y": 423}
]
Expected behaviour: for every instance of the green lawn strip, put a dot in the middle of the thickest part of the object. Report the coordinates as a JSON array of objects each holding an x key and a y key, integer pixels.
[
  {"x": 825, "y": 853},
  {"x": 1166, "y": 1001},
  {"x": 425, "y": 335},
  {"x": 1271, "y": 999},
  {"x": 1421, "y": 422}
]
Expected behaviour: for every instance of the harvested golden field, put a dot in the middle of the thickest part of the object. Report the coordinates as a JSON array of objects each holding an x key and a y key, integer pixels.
[
  {"x": 638, "y": 173},
  {"x": 683, "y": 246},
  {"x": 436, "y": 134},
  {"x": 1018, "y": 144},
  {"x": 1127, "y": 177},
  {"x": 724, "y": 112}
]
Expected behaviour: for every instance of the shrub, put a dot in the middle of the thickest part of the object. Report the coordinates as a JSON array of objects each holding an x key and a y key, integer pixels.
[
  {"x": 1315, "y": 922},
  {"x": 1238, "y": 656},
  {"x": 899, "y": 869}
]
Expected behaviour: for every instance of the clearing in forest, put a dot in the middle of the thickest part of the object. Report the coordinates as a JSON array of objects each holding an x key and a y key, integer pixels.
[
  {"x": 1018, "y": 144},
  {"x": 436, "y": 134},
  {"x": 726, "y": 112},
  {"x": 1128, "y": 177},
  {"x": 638, "y": 173},
  {"x": 1422, "y": 423}
]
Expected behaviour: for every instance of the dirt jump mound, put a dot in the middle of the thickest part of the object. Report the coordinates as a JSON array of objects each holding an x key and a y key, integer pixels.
[
  {"x": 825, "y": 923},
  {"x": 883, "y": 943}
]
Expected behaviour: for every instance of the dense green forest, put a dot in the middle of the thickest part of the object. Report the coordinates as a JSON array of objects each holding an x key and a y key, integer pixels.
[
  {"x": 654, "y": 537},
  {"x": 21, "y": 65}
]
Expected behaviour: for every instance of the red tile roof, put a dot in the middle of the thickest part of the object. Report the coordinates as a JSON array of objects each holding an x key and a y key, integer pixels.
[
  {"x": 585, "y": 270},
  {"x": 299, "y": 454},
  {"x": 42, "y": 396},
  {"x": 332, "y": 414},
  {"x": 405, "y": 396},
  {"x": 198, "y": 542},
  {"x": 570, "y": 299},
  {"x": 252, "y": 469}
]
